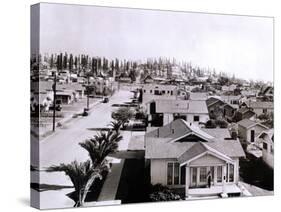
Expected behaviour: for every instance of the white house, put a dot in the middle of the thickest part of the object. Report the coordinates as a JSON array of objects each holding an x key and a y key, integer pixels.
[
  {"x": 158, "y": 91},
  {"x": 181, "y": 155},
  {"x": 267, "y": 139},
  {"x": 170, "y": 110},
  {"x": 248, "y": 130}
]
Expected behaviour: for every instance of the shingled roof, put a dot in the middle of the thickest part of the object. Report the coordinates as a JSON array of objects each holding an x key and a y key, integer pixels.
[
  {"x": 164, "y": 142},
  {"x": 181, "y": 106},
  {"x": 247, "y": 123}
]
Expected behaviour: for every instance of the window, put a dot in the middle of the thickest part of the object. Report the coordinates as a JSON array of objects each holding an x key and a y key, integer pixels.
[
  {"x": 150, "y": 91},
  {"x": 170, "y": 174},
  {"x": 264, "y": 146},
  {"x": 171, "y": 93},
  {"x": 203, "y": 174},
  {"x": 195, "y": 118},
  {"x": 175, "y": 174},
  {"x": 163, "y": 92},
  {"x": 231, "y": 172},
  {"x": 219, "y": 174},
  {"x": 194, "y": 174},
  {"x": 271, "y": 149},
  {"x": 182, "y": 175},
  {"x": 144, "y": 91},
  {"x": 264, "y": 110}
]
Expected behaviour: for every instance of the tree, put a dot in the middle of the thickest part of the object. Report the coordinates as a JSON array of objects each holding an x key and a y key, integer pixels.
[
  {"x": 210, "y": 124},
  {"x": 82, "y": 175},
  {"x": 98, "y": 148},
  {"x": 70, "y": 65},
  {"x": 123, "y": 115},
  {"x": 116, "y": 125},
  {"x": 65, "y": 58},
  {"x": 79, "y": 174}
]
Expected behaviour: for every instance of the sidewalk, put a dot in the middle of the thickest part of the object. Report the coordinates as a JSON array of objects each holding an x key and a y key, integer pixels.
[
  {"x": 110, "y": 186},
  {"x": 47, "y": 131}
]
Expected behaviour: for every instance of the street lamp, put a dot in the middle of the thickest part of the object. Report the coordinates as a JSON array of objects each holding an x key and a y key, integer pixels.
[{"x": 54, "y": 100}]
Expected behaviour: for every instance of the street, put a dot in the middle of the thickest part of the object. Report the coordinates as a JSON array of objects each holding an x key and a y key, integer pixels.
[{"x": 62, "y": 147}]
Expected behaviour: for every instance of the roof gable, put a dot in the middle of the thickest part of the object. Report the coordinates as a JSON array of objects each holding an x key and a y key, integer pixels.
[{"x": 200, "y": 149}]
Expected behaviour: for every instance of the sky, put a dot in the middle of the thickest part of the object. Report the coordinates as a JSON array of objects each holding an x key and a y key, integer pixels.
[{"x": 240, "y": 45}]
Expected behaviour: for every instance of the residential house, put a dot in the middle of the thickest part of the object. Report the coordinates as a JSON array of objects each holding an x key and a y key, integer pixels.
[
  {"x": 248, "y": 130},
  {"x": 233, "y": 100},
  {"x": 244, "y": 113},
  {"x": 261, "y": 107},
  {"x": 267, "y": 140},
  {"x": 148, "y": 79},
  {"x": 163, "y": 111},
  {"x": 181, "y": 155},
  {"x": 158, "y": 91},
  {"x": 229, "y": 88},
  {"x": 218, "y": 108}
]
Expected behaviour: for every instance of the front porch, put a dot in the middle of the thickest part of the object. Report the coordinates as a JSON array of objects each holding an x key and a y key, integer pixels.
[{"x": 218, "y": 191}]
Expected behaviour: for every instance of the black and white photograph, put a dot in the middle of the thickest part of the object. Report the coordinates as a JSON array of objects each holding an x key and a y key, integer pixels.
[{"x": 144, "y": 105}]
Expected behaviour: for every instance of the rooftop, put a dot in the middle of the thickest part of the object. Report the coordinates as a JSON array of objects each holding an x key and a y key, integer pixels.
[
  {"x": 175, "y": 138},
  {"x": 180, "y": 106}
]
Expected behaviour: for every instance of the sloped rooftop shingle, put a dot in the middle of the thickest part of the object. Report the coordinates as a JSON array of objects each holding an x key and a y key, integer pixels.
[
  {"x": 164, "y": 145},
  {"x": 249, "y": 123},
  {"x": 261, "y": 105},
  {"x": 195, "y": 150},
  {"x": 181, "y": 106}
]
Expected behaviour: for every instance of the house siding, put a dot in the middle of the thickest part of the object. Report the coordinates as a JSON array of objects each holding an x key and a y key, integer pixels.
[
  {"x": 158, "y": 170},
  {"x": 158, "y": 167}
]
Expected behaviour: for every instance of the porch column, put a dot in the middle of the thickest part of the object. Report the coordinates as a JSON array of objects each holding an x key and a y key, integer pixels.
[
  {"x": 187, "y": 180},
  {"x": 224, "y": 179}
]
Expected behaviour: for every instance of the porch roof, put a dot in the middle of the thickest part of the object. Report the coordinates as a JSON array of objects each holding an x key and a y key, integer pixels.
[{"x": 198, "y": 150}]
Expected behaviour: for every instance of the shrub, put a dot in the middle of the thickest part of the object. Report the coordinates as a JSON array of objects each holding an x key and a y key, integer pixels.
[
  {"x": 222, "y": 123},
  {"x": 162, "y": 193},
  {"x": 210, "y": 124}
]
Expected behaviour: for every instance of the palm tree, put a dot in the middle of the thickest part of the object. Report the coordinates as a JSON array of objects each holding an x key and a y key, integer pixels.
[
  {"x": 79, "y": 174},
  {"x": 82, "y": 175},
  {"x": 116, "y": 125},
  {"x": 99, "y": 147}
]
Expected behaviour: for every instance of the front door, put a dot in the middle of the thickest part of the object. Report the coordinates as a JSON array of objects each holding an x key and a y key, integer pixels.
[
  {"x": 203, "y": 176},
  {"x": 199, "y": 176},
  {"x": 252, "y": 135}
]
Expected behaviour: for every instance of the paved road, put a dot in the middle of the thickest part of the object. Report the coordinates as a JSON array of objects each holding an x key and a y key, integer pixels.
[{"x": 62, "y": 147}]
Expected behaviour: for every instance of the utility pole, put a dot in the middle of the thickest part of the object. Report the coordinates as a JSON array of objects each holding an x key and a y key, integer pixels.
[
  {"x": 88, "y": 76},
  {"x": 54, "y": 100}
]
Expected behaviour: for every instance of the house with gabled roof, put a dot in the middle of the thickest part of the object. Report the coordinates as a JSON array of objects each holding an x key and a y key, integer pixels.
[
  {"x": 167, "y": 110},
  {"x": 261, "y": 107},
  {"x": 248, "y": 130},
  {"x": 218, "y": 107},
  {"x": 267, "y": 140},
  {"x": 181, "y": 156},
  {"x": 244, "y": 113}
]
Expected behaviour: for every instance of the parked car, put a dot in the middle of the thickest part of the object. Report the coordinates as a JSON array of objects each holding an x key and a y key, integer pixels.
[
  {"x": 58, "y": 107},
  {"x": 105, "y": 100}
]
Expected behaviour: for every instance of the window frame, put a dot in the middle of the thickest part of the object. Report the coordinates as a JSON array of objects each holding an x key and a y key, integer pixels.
[
  {"x": 196, "y": 116},
  {"x": 181, "y": 181}
]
